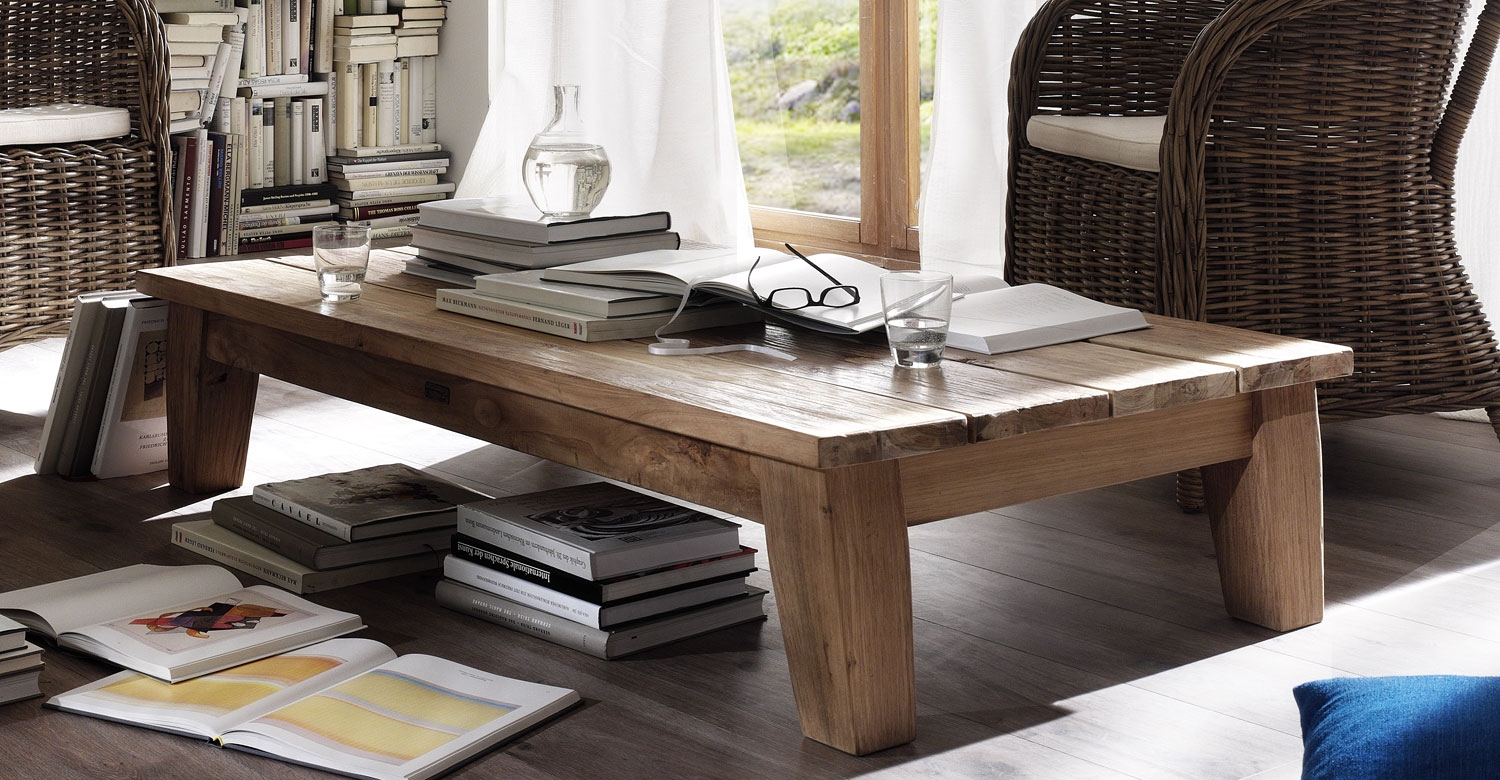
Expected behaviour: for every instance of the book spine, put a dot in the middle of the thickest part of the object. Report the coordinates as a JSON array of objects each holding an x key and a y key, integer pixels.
[
  {"x": 53, "y": 426},
  {"x": 403, "y": 221},
  {"x": 245, "y": 525},
  {"x": 324, "y": 12},
  {"x": 291, "y": 26},
  {"x": 67, "y": 454},
  {"x": 268, "y": 143},
  {"x": 429, "y": 101},
  {"x": 396, "y": 192},
  {"x": 314, "y": 153},
  {"x": 254, "y": 65},
  {"x": 198, "y": 229},
  {"x": 305, "y": 36},
  {"x": 403, "y": 99},
  {"x": 214, "y": 233},
  {"x": 314, "y": 519},
  {"x": 295, "y": 89},
  {"x": 523, "y": 568},
  {"x": 283, "y": 110},
  {"x": 386, "y": 182},
  {"x": 521, "y": 591},
  {"x": 390, "y": 231},
  {"x": 187, "y": 173},
  {"x": 298, "y": 143},
  {"x": 273, "y": 36},
  {"x": 369, "y": 123},
  {"x": 522, "y": 541},
  {"x": 272, "y": 196},
  {"x": 215, "y": 84},
  {"x": 414, "y": 99},
  {"x": 384, "y": 151},
  {"x": 271, "y": 244},
  {"x": 191, "y": 540},
  {"x": 378, "y": 212},
  {"x": 593, "y": 641},
  {"x": 347, "y": 129},
  {"x": 255, "y": 127}
]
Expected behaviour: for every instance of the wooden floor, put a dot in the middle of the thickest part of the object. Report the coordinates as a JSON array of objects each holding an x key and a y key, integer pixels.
[{"x": 1077, "y": 637}]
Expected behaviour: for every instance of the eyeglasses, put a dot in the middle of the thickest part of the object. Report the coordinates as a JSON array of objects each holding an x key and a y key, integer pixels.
[{"x": 791, "y": 298}]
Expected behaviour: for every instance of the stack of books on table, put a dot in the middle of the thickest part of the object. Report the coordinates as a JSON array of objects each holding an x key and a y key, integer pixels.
[
  {"x": 599, "y": 568},
  {"x": 20, "y": 663},
  {"x": 332, "y": 530},
  {"x": 472, "y": 236}
]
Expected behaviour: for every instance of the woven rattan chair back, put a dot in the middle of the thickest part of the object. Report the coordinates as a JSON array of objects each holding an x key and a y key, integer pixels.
[
  {"x": 79, "y": 217},
  {"x": 1306, "y": 183}
]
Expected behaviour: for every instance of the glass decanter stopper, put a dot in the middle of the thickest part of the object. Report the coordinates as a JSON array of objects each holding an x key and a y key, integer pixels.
[{"x": 565, "y": 172}]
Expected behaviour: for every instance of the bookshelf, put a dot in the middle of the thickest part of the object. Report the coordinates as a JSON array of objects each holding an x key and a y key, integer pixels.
[{"x": 286, "y": 113}]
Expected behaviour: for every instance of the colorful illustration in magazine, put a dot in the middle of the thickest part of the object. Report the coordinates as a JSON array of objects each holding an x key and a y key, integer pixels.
[
  {"x": 218, "y": 616},
  {"x": 226, "y": 616},
  {"x": 629, "y": 515}
]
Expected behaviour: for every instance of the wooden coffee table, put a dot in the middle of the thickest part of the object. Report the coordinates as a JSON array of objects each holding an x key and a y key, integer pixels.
[{"x": 836, "y": 453}]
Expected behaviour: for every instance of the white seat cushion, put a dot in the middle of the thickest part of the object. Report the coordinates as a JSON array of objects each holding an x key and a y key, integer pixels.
[
  {"x": 1128, "y": 141},
  {"x": 63, "y": 123}
]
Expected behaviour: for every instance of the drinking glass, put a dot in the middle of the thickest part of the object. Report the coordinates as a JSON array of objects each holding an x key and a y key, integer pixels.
[
  {"x": 917, "y": 305},
  {"x": 341, "y": 254}
]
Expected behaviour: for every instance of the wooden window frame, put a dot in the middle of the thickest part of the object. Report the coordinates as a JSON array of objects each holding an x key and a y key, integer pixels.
[{"x": 890, "y": 151}]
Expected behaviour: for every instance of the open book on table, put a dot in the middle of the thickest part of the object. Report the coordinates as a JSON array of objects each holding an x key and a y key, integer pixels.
[
  {"x": 348, "y": 706},
  {"x": 173, "y": 622},
  {"x": 727, "y": 273}
]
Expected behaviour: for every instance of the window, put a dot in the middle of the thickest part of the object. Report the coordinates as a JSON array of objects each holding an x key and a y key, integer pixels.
[{"x": 832, "y": 103}]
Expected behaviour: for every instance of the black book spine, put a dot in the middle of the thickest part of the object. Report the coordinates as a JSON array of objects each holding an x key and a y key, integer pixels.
[
  {"x": 493, "y": 557},
  {"x": 296, "y": 192}
]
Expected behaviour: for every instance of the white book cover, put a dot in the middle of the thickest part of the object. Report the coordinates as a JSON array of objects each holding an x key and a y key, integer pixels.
[
  {"x": 347, "y": 127},
  {"x": 133, "y": 430},
  {"x": 198, "y": 227},
  {"x": 314, "y": 157},
  {"x": 254, "y": 63},
  {"x": 291, "y": 31},
  {"x": 273, "y": 36},
  {"x": 298, "y": 142},
  {"x": 385, "y": 117},
  {"x": 429, "y": 101},
  {"x": 402, "y": 92},
  {"x": 255, "y": 132},
  {"x": 230, "y": 80},
  {"x": 323, "y": 34}
]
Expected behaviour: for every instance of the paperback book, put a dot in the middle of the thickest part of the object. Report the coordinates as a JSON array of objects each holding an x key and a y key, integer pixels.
[
  {"x": 348, "y": 706},
  {"x": 313, "y": 547},
  {"x": 173, "y": 622},
  {"x": 598, "y": 530},
  {"x": 221, "y": 545},
  {"x": 606, "y": 643},
  {"x": 587, "y": 327},
  {"x": 362, "y": 504}
]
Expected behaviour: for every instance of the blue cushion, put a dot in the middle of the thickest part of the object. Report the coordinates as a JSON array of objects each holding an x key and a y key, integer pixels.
[{"x": 1373, "y": 728}]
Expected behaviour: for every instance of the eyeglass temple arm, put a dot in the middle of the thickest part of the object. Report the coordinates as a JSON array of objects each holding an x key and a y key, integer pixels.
[{"x": 815, "y": 267}]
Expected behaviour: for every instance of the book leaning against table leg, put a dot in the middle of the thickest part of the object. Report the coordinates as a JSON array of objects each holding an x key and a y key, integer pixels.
[
  {"x": 133, "y": 425},
  {"x": 348, "y": 706}
]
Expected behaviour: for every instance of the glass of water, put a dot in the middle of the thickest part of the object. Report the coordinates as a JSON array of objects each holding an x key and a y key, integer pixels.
[
  {"x": 917, "y": 305},
  {"x": 341, "y": 254}
]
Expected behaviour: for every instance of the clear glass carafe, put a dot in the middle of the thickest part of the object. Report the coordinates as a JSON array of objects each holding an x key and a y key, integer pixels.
[{"x": 566, "y": 173}]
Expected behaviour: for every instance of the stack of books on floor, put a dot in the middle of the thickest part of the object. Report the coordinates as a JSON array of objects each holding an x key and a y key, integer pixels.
[
  {"x": 108, "y": 414},
  {"x": 20, "y": 663},
  {"x": 599, "y": 568},
  {"x": 329, "y": 531}
]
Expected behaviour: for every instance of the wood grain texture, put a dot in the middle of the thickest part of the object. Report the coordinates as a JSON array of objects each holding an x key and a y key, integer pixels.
[
  {"x": 843, "y": 582},
  {"x": 1263, "y": 360},
  {"x": 209, "y": 408},
  {"x": 1136, "y": 381},
  {"x": 1266, "y": 512},
  {"x": 1080, "y": 457}
]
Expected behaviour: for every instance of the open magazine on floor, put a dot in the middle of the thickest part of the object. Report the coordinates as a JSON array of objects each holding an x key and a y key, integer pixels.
[
  {"x": 173, "y": 622},
  {"x": 348, "y": 706},
  {"x": 728, "y": 273}
]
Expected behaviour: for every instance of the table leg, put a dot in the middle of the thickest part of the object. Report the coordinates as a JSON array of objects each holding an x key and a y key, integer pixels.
[
  {"x": 1267, "y": 514},
  {"x": 209, "y": 407},
  {"x": 842, "y": 572}
]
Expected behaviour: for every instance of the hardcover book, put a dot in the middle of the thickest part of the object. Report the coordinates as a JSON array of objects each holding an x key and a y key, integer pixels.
[
  {"x": 586, "y": 327},
  {"x": 515, "y": 221},
  {"x": 582, "y": 298},
  {"x": 534, "y": 255},
  {"x": 579, "y": 611},
  {"x": 12, "y": 635},
  {"x": 362, "y": 504},
  {"x": 613, "y": 589},
  {"x": 133, "y": 427},
  {"x": 606, "y": 643},
  {"x": 598, "y": 530},
  {"x": 348, "y": 706},
  {"x": 173, "y": 622},
  {"x": 221, "y": 545},
  {"x": 312, "y": 546}
]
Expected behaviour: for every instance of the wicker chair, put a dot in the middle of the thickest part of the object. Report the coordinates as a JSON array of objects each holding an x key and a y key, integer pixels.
[
  {"x": 1299, "y": 181},
  {"x": 80, "y": 216}
]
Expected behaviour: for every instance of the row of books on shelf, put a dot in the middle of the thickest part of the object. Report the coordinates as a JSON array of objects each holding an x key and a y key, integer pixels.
[
  {"x": 262, "y": 670},
  {"x": 597, "y": 567},
  {"x": 107, "y": 416}
]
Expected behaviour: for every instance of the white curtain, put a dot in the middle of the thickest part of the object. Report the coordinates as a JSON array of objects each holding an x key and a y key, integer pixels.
[
  {"x": 963, "y": 189},
  {"x": 654, "y": 91}
]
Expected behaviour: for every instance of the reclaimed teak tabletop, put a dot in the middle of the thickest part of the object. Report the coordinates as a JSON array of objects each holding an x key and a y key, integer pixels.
[{"x": 836, "y": 452}]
